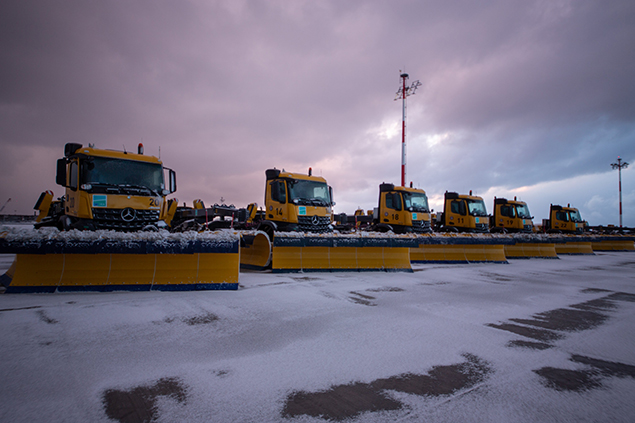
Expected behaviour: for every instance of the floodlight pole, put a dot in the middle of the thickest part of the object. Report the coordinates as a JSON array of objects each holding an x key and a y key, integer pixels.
[
  {"x": 402, "y": 93},
  {"x": 619, "y": 166}
]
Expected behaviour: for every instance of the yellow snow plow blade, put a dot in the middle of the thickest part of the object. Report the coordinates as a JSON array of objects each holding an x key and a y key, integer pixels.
[
  {"x": 5, "y": 279},
  {"x": 614, "y": 243},
  {"x": 334, "y": 252},
  {"x": 455, "y": 248},
  {"x": 73, "y": 264},
  {"x": 255, "y": 251},
  {"x": 574, "y": 248},
  {"x": 531, "y": 250}
]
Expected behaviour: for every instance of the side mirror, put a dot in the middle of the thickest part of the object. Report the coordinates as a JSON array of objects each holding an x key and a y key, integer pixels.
[
  {"x": 172, "y": 181},
  {"x": 331, "y": 195},
  {"x": 60, "y": 177}
]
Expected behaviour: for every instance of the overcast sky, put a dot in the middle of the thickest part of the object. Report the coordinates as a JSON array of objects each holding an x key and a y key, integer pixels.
[{"x": 528, "y": 98}]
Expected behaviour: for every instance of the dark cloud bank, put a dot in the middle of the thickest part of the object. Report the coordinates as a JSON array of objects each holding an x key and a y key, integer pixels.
[{"x": 513, "y": 93}]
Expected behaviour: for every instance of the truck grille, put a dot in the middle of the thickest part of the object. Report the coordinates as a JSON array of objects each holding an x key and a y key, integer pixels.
[
  {"x": 322, "y": 223},
  {"x": 420, "y": 226},
  {"x": 112, "y": 219}
]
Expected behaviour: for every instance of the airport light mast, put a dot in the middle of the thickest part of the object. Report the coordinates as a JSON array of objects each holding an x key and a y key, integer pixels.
[{"x": 619, "y": 166}]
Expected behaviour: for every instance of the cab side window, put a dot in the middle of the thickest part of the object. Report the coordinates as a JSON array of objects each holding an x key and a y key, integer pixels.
[
  {"x": 278, "y": 192},
  {"x": 508, "y": 211},
  {"x": 73, "y": 177},
  {"x": 393, "y": 201},
  {"x": 563, "y": 216},
  {"x": 455, "y": 206}
]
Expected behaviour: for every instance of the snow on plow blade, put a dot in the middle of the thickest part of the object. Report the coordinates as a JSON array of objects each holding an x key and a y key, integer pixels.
[
  {"x": 459, "y": 248},
  {"x": 113, "y": 262},
  {"x": 294, "y": 252}
]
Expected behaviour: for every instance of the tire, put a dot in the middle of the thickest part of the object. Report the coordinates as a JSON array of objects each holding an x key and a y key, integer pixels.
[
  {"x": 383, "y": 228},
  {"x": 267, "y": 228},
  {"x": 64, "y": 223}
]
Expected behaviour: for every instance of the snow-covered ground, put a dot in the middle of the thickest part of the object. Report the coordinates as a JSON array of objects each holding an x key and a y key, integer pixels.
[{"x": 447, "y": 343}]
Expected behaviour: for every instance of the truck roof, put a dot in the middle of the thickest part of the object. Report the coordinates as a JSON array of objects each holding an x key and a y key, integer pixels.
[
  {"x": 506, "y": 201},
  {"x": 114, "y": 154},
  {"x": 392, "y": 187},
  {"x": 454, "y": 195},
  {"x": 275, "y": 174},
  {"x": 557, "y": 207}
]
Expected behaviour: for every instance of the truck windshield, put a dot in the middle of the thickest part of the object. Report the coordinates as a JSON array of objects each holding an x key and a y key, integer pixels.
[
  {"x": 523, "y": 211},
  {"x": 122, "y": 174},
  {"x": 309, "y": 192},
  {"x": 575, "y": 216},
  {"x": 418, "y": 201},
  {"x": 476, "y": 207}
]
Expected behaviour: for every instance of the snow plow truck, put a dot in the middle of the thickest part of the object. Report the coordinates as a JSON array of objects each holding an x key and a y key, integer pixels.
[
  {"x": 400, "y": 210},
  {"x": 107, "y": 189},
  {"x": 511, "y": 216},
  {"x": 566, "y": 220},
  {"x": 462, "y": 213}
]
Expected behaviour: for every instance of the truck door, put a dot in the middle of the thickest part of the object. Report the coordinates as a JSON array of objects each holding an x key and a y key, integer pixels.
[
  {"x": 562, "y": 219},
  {"x": 72, "y": 191},
  {"x": 277, "y": 207},
  {"x": 508, "y": 213},
  {"x": 458, "y": 209},
  {"x": 392, "y": 215}
]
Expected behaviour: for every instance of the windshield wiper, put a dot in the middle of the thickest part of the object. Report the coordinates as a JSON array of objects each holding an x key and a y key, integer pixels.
[
  {"x": 139, "y": 187},
  {"x": 318, "y": 201},
  {"x": 311, "y": 201},
  {"x": 105, "y": 184}
]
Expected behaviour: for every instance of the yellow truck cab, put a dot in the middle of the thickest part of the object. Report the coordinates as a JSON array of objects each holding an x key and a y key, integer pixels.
[
  {"x": 403, "y": 209},
  {"x": 511, "y": 216},
  {"x": 564, "y": 219},
  {"x": 296, "y": 202},
  {"x": 463, "y": 213},
  {"x": 107, "y": 189}
]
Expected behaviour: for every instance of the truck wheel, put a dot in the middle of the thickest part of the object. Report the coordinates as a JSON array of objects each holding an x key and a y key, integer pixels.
[
  {"x": 382, "y": 227},
  {"x": 64, "y": 223},
  {"x": 267, "y": 228}
]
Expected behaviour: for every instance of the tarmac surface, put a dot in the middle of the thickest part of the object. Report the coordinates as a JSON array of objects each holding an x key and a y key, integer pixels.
[{"x": 533, "y": 340}]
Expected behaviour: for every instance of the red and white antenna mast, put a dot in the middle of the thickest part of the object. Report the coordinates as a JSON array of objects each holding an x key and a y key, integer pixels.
[{"x": 402, "y": 93}]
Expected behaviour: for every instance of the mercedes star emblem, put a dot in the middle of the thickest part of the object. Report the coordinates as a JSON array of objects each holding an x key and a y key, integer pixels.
[
  {"x": 315, "y": 220},
  {"x": 128, "y": 214}
]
